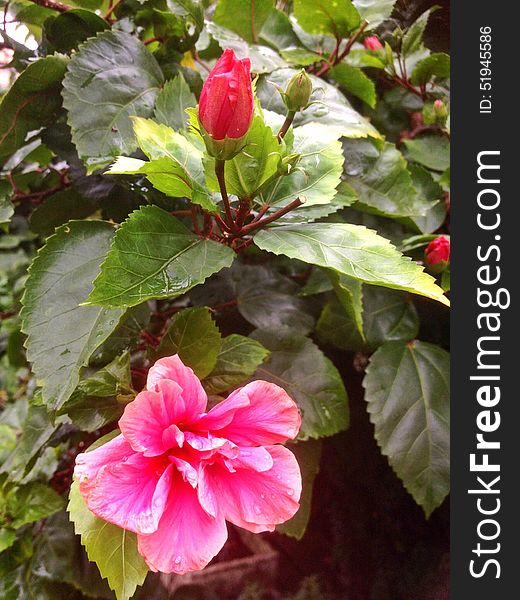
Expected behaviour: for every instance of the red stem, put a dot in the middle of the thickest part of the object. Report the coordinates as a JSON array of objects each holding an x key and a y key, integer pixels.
[{"x": 339, "y": 57}]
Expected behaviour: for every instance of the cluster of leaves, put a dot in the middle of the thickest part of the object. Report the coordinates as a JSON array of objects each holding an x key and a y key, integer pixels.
[{"x": 104, "y": 271}]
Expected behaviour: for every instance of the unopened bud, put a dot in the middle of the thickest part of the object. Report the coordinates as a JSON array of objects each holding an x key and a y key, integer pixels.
[
  {"x": 298, "y": 92},
  {"x": 437, "y": 253},
  {"x": 372, "y": 43}
]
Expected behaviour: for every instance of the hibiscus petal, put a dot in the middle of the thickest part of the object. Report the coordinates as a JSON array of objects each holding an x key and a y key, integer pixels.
[
  {"x": 172, "y": 367},
  {"x": 187, "y": 537},
  {"x": 132, "y": 494},
  {"x": 271, "y": 417},
  {"x": 222, "y": 413},
  {"x": 256, "y": 459},
  {"x": 89, "y": 463},
  {"x": 149, "y": 421},
  {"x": 256, "y": 501}
]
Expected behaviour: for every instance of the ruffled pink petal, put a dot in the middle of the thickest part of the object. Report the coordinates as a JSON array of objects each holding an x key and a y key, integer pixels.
[
  {"x": 248, "y": 457},
  {"x": 172, "y": 367},
  {"x": 222, "y": 413},
  {"x": 132, "y": 494},
  {"x": 149, "y": 421},
  {"x": 187, "y": 537},
  {"x": 256, "y": 501},
  {"x": 271, "y": 417},
  {"x": 88, "y": 463}
]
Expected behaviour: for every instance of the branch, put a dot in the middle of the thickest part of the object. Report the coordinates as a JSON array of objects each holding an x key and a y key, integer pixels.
[
  {"x": 53, "y": 5},
  {"x": 219, "y": 172},
  {"x": 339, "y": 57},
  {"x": 265, "y": 221}
]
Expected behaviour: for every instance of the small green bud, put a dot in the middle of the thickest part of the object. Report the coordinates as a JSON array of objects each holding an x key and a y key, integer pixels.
[
  {"x": 298, "y": 91},
  {"x": 288, "y": 163}
]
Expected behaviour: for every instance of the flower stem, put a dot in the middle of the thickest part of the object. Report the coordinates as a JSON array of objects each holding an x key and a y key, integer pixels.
[
  {"x": 219, "y": 172},
  {"x": 286, "y": 124},
  {"x": 340, "y": 56},
  {"x": 276, "y": 215}
]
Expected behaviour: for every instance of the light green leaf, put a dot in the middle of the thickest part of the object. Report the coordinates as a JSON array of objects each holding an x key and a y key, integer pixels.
[
  {"x": 61, "y": 334},
  {"x": 194, "y": 336},
  {"x": 6, "y": 212},
  {"x": 353, "y": 80},
  {"x": 277, "y": 31},
  {"x": 113, "y": 549},
  {"x": 352, "y": 250},
  {"x": 245, "y": 17},
  {"x": 407, "y": 391},
  {"x": 30, "y": 103},
  {"x": 383, "y": 184},
  {"x": 432, "y": 191},
  {"x": 436, "y": 65},
  {"x": 175, "y": 165},
  {"x": 110, "y": 78},
  {"x": 154, "y": 256},
  {"x": 432, "y": 151},
  {"x": 252, "y": 167},
  {"x": 338, "y": 18},
  {"x": 318, "y": 172},
  {"x": 374, "y": 11},
  {"x": 172, "y": 102},
  {"x": 237, "y": 360},
  {"x": 413, "y": 38},
  {"x": 7, "y": 539},
  {"x": 296, "y": 364},
  {"x": 308, "y": 455},
  {"x": 32, "y": 502}
]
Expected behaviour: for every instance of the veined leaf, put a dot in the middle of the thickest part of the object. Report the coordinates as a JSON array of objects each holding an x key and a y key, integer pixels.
[
  {"x": 154, "y": 256},
  {"x": 353, "y": 80},
  {"x": 336, "y": 18},
  {"x": 352, "y": 250},
  {"x": 244, "y": 17},
  {"x": 407, "y": 391},
  {"x": 172, "y": 102},
  {"x": 113, "y": 549},
  {"x": 374, "y": 11},
  {"x": 62, "y": 335}
]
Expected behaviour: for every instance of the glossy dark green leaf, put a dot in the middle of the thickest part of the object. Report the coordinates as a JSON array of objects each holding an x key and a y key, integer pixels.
[
  {"x": 431, "y": 151},
  {"x": 277, "y": 31},
  {"x": 351, "y": 250},
  {"x": 425, "y": 185},
  {"x": 296, "y": 364},
  {"x": 195, "y": 337},
  {"x": 407, "y": 393},
  {"x": 436, "y": 65},
  {"x": 62, "y": 335},
  {"x": 154, "y": 256},
  {"x": 111, "y": 77},
  {"x": 308, "y": 455},
  {"x": 32, "y": 502},
  {"x": 245, "y": 17},
  {"x": 67, "y": 30},
  {"x": 31, "y": 102},
  {"x": 413, "y": 38},
  {"x": 237, "y": 360},
  {"x": 374, "y": 11}
]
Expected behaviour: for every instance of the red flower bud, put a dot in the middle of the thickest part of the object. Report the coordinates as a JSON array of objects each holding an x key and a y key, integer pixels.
[
  {"x": 437, "y": 253},
  {"x": 372, "y": 43},
  {"x": 438, "y": 105},
  {"x": 226, "y": 101}
]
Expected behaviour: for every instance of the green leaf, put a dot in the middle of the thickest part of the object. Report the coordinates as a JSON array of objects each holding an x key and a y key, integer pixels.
[
  {"x": 7, "y": 440},
  {"x": 268, "y": 300},
  {"x": 113, "y": 549},
  {"x": 330, "y": 107},
  {"x": 172, "y": 102},
  {"x": 296, "y": 364},
  {"x": 252, "y": 167},
  {"x": 67, "y": 30},
  {"x": 175, "y": 166},
  {"x": 318, "y": 172},
  {"x": 277, "y": 31},
  {"x": 407, "y": 391},
  {"x": 237, "y": 360},
  {"x": 431, "y": 151},
  {"x": 413, "y": 38},
  {"x": 61, "y": 334},
  {"x": 31, "y": 102},
  {"x": 308, "y": 455},
  {"x": 349, "y": 292},
  {"x": 95, "y": 402},
  {"x": 245, "y": 17},
  {"x": 336, "y": 328},
  {"x": 432, "y": 191},
  {"x": 6, "y": 212},
  {"x": 29, "y": 503},
  {"x": 353, "y": 80},
  {"x": 154, "y": 256},
  {"x": 436, "y": 65},
  {"x": 7, "y": 539},
  {"x": 337, "y": 18},
  {"x": 383, "y": 183},
  {"x": 374, "y": 11},
  {"x": 58, "y": 209},
  {"x": 195, "y": 337},
  {"x": 352, "y": 250},
  {"x": 110, "y": 78}
]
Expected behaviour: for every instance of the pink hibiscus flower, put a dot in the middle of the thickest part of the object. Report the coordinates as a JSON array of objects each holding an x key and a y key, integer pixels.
[{"x": 176, "y": 473}]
